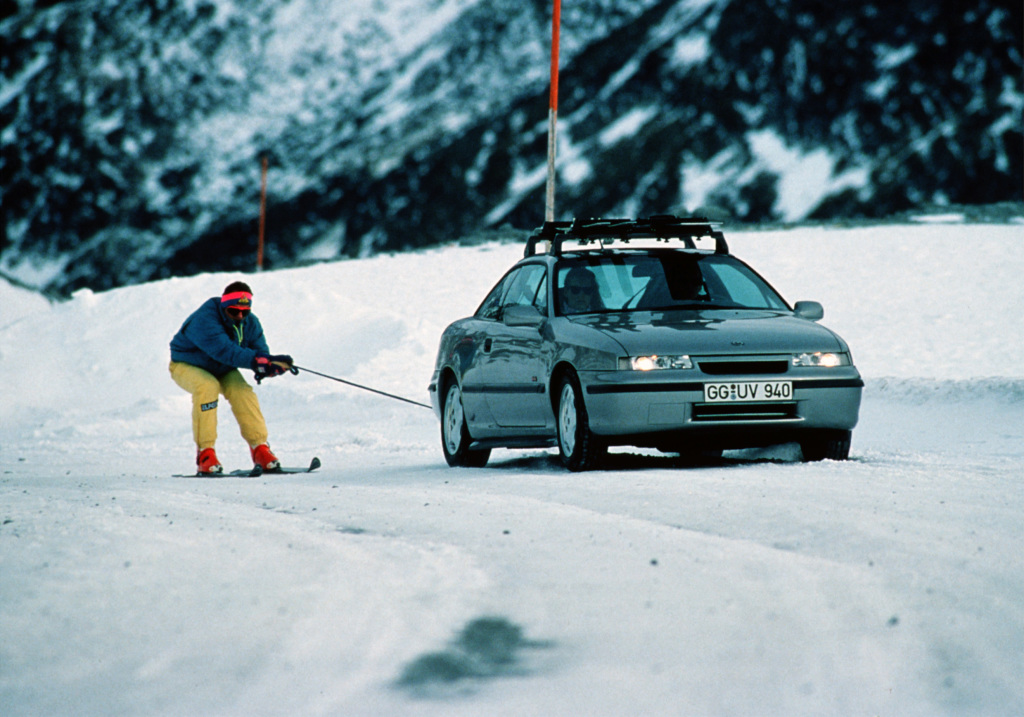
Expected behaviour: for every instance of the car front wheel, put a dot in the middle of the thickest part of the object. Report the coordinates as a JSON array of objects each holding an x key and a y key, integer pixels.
[
  {"x": 831, "y": 445},
  {"x": 455, "y": 434},
  {"x": 579, "y": 449}
]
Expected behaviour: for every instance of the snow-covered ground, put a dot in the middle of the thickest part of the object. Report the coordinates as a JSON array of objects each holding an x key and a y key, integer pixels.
[{"x": 388, "y": 584}]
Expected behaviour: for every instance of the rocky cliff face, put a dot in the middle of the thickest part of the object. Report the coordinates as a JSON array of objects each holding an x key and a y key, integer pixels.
[{"x": 133, "y": 129}]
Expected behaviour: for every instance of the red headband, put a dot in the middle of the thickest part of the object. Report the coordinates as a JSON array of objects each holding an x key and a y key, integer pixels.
[{"x": 241, "y": 299}]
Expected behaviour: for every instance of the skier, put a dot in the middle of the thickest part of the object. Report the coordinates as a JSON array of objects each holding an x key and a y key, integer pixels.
[{"x": 220, "y": 337}]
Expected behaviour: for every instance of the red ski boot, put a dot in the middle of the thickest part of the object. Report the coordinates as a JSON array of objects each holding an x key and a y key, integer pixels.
[
  {"x": 208, "y": 463},
  {"x": 262, "y": 457}
]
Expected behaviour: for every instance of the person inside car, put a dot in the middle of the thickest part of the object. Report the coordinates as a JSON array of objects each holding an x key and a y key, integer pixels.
[{"x": 579, "y": 294}]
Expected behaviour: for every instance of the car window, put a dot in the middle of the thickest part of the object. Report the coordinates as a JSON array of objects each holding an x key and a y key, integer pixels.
[
  {"x": 662, "y": 280},
  {"x": 525, "y": 285},
  {"x": 491, "y": 306},
  {"x": 732, "y": 282}
]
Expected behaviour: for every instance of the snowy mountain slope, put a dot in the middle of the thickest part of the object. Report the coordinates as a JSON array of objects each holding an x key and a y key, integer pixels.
[
  {"x": 133, "y": 131},
  {"x": 387, "y": 583}
]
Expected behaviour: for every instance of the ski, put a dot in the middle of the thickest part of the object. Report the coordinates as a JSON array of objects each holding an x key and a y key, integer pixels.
[{"x": 254, "y": 472}]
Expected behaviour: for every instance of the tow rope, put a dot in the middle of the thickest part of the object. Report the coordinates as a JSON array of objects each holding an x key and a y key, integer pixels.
[{"x": 296, "y": 369}]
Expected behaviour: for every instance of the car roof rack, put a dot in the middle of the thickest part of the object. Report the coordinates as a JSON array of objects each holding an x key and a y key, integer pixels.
[{"x": 663, "y": 227}]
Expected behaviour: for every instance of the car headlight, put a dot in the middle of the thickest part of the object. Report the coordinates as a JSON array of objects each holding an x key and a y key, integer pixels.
[
  {"x": 821, "y": 359},
  {"x": 650, "y": 363}
]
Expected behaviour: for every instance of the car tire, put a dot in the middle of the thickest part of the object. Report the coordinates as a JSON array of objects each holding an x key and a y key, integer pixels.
[
  {"x": 578, "y": 447},
  {"x": 831, "y": 445},
  {"x": 455, "y": 438}
]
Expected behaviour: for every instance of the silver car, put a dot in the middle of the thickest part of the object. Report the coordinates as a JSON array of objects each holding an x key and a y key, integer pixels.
[{"x": 644, "y": 333}]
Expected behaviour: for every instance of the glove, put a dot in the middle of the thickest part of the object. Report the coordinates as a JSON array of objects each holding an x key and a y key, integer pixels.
[{"x": 265, "y": 366}]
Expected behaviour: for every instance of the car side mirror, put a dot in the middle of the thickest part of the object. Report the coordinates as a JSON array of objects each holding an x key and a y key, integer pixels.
[
  {"x": 522, "y": 315},
  {"x": 810, "y": 310}
]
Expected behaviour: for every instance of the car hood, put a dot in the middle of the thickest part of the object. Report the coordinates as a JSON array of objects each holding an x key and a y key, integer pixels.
[{"x": 712, "y": 332}]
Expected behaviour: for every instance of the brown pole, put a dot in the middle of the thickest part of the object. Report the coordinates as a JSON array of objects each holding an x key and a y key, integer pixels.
[{"x": 263, "y": 216}]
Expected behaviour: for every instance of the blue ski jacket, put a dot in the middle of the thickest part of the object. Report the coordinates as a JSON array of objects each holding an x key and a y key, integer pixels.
[{"x": 210, "y": 340}]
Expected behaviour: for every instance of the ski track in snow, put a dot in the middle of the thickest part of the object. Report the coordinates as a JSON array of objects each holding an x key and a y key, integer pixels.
[{"x": 887, "y": 584}]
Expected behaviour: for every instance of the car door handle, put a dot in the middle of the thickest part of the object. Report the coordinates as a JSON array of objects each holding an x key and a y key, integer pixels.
[{"x": 487, "y": 346}]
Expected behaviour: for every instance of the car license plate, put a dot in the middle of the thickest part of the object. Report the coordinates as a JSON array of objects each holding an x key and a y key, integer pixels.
[{"x": 748, "y": 391}]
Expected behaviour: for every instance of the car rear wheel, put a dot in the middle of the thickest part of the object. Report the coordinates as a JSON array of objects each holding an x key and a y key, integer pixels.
[
  {"x": 455, "y": 437},
  {"x": 830, "y": 445},
  {"x": 579, "y": 449}
]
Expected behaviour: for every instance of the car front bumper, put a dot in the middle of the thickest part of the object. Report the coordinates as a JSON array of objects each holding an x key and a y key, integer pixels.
[{"x": 665, "y": 405}]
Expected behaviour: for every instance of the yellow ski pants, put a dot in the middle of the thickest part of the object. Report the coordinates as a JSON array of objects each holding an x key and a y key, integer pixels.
[{"x": 206, "y": 390}]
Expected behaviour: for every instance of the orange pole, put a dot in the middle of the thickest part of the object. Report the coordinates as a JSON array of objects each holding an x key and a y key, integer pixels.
[
  {"x": 263, "y": 216},
  {"x": 556, "y": 24},
  {"x": 549, "y": 200}
]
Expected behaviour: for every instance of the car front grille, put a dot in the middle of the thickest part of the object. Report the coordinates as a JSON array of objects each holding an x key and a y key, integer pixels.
[
  {"x": 738, "y": 368},
  {"x": 744, "y": 411}
]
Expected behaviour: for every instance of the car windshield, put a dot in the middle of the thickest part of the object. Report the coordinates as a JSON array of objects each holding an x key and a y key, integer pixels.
[{"x": 659, "y": 281}]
